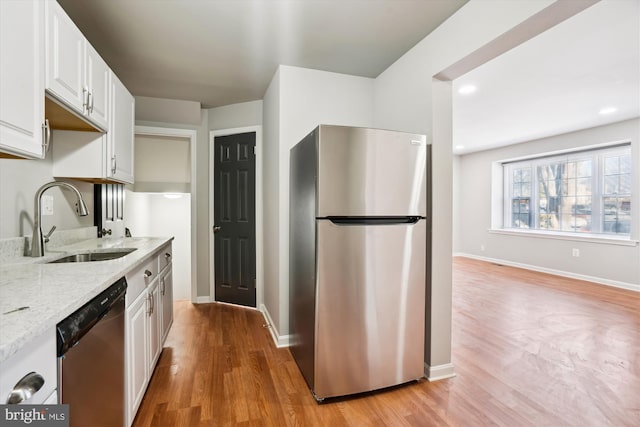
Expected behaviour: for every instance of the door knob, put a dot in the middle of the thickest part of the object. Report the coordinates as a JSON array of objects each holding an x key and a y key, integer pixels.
[{"x": 216, "y": 228}]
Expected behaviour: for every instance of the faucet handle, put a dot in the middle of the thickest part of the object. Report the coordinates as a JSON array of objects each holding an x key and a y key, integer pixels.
[{"x": 46, "y": 236}]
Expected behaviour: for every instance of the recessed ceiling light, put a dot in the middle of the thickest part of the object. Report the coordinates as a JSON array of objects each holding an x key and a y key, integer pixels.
[
  {"x": 466, "y": 89},
  {"x": 608, "y": 110}
]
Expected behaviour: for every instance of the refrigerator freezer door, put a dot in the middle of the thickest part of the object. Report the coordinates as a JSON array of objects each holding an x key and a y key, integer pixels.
[
  {"x": 370, "y": 172},
  {"x": 370, "y": 291}
]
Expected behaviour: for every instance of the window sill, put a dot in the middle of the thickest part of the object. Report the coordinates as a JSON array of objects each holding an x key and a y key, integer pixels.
[{"x": 591, "y": 238}]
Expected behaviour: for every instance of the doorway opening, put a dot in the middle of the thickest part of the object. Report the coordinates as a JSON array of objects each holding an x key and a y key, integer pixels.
[{"x": 161, "y": 202}]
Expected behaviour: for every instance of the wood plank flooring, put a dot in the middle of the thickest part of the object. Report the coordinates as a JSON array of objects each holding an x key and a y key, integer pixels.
[{"x": 529, "y": 349}]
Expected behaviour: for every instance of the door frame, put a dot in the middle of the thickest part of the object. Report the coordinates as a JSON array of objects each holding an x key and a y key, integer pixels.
[
  {"x": 259, "y": 210},
  {"x": 192, "y": 136}
]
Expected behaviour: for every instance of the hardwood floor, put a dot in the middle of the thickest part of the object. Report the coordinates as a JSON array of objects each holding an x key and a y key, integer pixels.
[{"x": 529, "y": 349}]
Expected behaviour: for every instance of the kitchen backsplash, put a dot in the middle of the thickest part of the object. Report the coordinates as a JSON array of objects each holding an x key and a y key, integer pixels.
[{"x": 17, "y": 247}]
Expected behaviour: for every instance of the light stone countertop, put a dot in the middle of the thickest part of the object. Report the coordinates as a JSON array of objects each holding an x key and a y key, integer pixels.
[{"x": 54, "y": 291}]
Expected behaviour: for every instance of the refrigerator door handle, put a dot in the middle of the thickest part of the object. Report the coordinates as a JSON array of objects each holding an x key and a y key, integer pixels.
[{"x": 368, "y": 220}]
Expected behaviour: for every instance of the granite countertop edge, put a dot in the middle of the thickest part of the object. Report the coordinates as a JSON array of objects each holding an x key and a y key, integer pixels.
[{"x": 54, "y": 291}]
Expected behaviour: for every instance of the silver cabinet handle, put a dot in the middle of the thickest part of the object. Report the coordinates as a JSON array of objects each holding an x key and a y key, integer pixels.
[
  {"x": 148, "y": 304},
  {"x": 114, "y": 164},
  {"x": 147, "y": 274},
  {"x": 25, "y": 388},
  {"x": 167, "y": 255},
  {"x": 85, "y": 100},
  {"x": 90, "y": 103},
  {"x": 46, "y": 135},
  {"x": 162, "y": 286}
]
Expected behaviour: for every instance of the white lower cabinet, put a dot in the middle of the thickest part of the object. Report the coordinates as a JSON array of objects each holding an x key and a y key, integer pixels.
[
  {"x": 148, "y": 318},
  {"x": 137, "y": 354},
  {"x": 34, "y": 367},
  {"x": 155, "y": 345},
  {"x": 166, "y": 299}
]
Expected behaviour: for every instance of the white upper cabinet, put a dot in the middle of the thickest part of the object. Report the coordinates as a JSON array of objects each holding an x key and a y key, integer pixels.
[
  {"x": 76, "y": 75},
  {"x": 121, "y": 133},
  {"x": 91, "y": 156},
  {"x": 22, "y": 79},
  {"x": 98, "y": 80}
]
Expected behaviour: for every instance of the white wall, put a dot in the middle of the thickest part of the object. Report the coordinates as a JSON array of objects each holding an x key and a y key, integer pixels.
[
  {"x": 270, "y": 191},
  {"x": 406, "y": 98},
  {"x": 236, "y": 115},
  {"x": 19, "y": 181},
  {"x": 602, "y": 262},
  {"x": 304, "y": 99},
  {"x": 152, "y": 214},
  {"x": 167, "y": 110}
]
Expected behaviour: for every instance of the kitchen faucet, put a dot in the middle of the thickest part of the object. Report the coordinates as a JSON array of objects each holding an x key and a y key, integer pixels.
[{"x": 37, "y": 241}]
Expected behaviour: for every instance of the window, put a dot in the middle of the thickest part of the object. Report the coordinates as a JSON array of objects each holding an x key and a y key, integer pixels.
[{"x": 578, "y": 192}]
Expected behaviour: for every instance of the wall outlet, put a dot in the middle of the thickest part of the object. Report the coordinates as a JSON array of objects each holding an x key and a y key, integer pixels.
[
  {"x": 47, "y": 205},
  {"x": 575, "y": 252}
]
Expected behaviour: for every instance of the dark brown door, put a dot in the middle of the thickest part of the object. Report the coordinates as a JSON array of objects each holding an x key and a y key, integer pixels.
[{"x": 234, "y": 219}]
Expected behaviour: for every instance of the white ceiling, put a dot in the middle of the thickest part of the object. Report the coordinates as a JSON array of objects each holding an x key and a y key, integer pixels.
[
  {"x": 555, "y": 83},
  {"x": 221, "y": 52}
]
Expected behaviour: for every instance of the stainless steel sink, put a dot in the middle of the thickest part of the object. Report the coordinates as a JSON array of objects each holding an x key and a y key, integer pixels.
[{"x": 94, "y": 256}]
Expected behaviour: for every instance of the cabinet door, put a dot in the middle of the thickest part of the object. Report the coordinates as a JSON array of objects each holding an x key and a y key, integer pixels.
[
  {"x": 154, "y": 326},
  {"x": 166, "y": 294},
  {"x": 21, "y": 78},
  {"x": 97, "y": 79},
  {"x": 121, "y": 127},
  {"x": 137, "y": 353},
  {"x": 65, "y": 58},
  {"x": 36, "y": 356}
]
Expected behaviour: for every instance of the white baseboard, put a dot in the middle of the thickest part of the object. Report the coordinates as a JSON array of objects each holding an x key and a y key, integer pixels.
[
  {"x": 439, "y": 372},
  {"x": 203, "y": 300},
  {"x": 599, "y": 280},
  {"x": 280, "y": 341}
]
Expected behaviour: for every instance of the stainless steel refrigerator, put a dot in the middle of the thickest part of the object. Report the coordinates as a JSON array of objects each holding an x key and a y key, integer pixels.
[{"x": 359, "y": 239}]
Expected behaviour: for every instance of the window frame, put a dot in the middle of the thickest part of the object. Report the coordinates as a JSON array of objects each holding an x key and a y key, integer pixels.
[{"x": 597, "y": 154}]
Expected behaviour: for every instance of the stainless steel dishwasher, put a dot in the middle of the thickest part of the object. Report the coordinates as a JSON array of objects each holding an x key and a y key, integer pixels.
[{"x": 91, "y": 360}]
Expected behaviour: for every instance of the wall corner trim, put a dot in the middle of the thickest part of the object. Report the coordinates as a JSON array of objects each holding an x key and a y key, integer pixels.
[
  {"x": 280, "y": 341},
  {"x": 439, "y": 372}
]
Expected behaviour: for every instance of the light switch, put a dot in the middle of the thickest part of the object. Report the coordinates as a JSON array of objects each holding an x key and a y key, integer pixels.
[{"x": 47, "y": 205}]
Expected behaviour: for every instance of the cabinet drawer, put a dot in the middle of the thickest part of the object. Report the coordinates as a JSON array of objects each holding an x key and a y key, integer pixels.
[
  {"x": 164, "y": 257},
  {"x": 39, "y": 356},
  {"x": 139, "y": 278}
]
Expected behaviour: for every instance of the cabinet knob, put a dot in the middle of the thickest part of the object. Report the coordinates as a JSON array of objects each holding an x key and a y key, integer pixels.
[
  {"x": 147, "y": 274},
  {"x": 167, "y": 255},
  {"x": 25, "y": 388}
]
